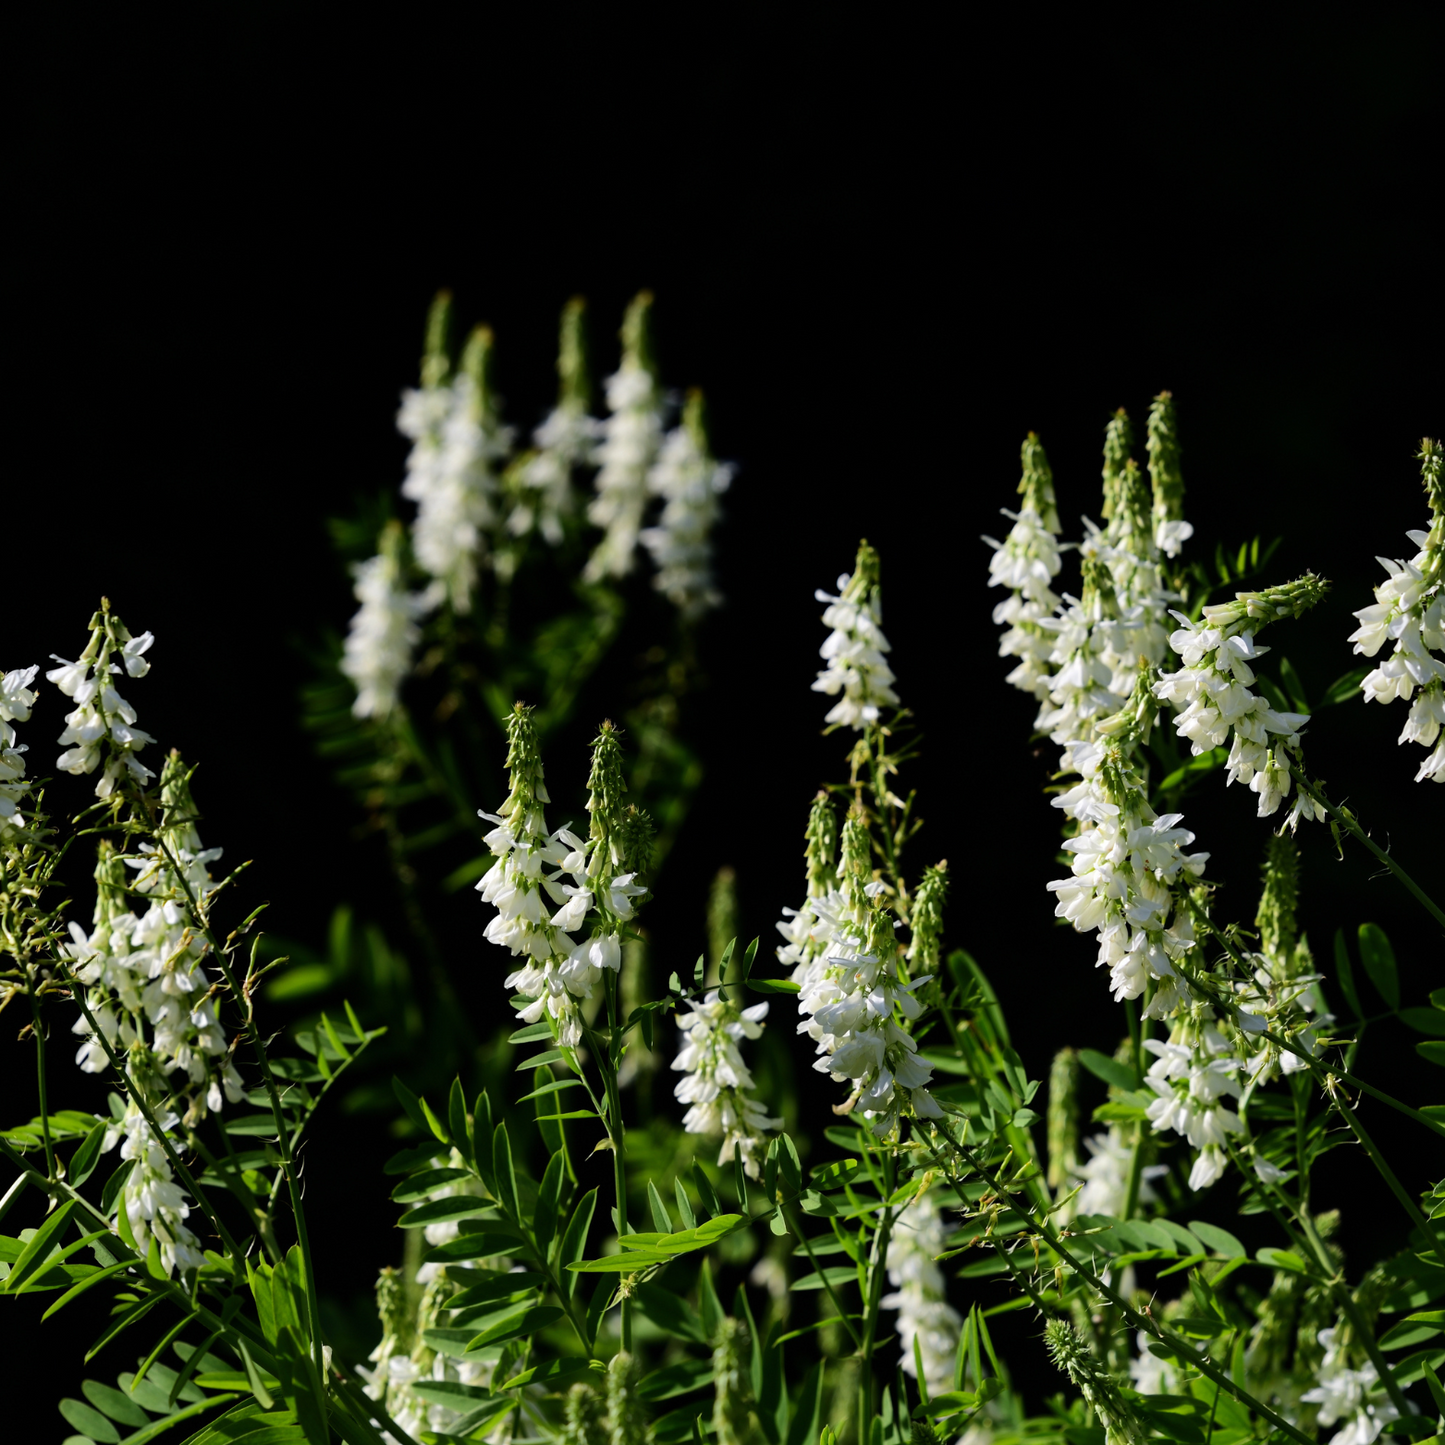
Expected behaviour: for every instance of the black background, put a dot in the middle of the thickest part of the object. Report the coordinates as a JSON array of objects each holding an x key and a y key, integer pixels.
[{"x": 886, "y": 248}]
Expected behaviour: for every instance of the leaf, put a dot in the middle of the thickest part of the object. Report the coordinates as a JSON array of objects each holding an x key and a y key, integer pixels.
[
  {"x": 549, "y": 1202},
  {"x": 418, "y": 1186},
  {"x": 89, "y": 1422},
  {"x": 531, "y": 1033},
  {"x": 525, "y": 1322},
  {"x": 38, "y": 1248},
  {"x": 474, "y": 1246},
  {"x": 450, "y": 1392},
  {"x": 773, "y": 986},
  {"x": 1111, "y": 1071},
  {"x": 1434, "y": 1051},
  {"x": 457, "y": 1120},
  {"x": 554, "y": 1373},
  {"x": 412, "y": 1105},
  {"x": 1221, "y": 1241},
  {"x": 670, "y": 1313},
  {"x": 537, "y": 1061},
  {"x": 1345, "y": 687},
  {"x": 440, "y": 1211},
  {"x": 1346, "y": 974},
  {"x": 705, "y": 1191},
  {"x": 109, "y": 1401},
  {"x": 1293, "y": 686},
  {"x": 408, "y": 1159},
  {"x": 1424, "y": 1020},
  {"x": 680, "y": 1379},
  {"x": 1282, "y": 1259},
  {"x": 660, "y": 1217},
  {"x": 804, "y": 1427},
  {"x": 1408, "y": 1332},
  {"x": 84, "y": 1160},
  {"x": 684, "y": 1204},
  {"x": 1194, "y": 769},
  {"x": 1379, "y": 961},
  {"x": 506, "y": 1176},
  {"x": 836, "y": 1275}
]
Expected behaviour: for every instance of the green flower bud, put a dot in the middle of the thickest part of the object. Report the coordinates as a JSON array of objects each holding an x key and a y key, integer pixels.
[
  {"x": 524, "y": 763},
  {"x": 821, "y": 851},
  {"x": 477, "y": 367},
  {"x": 731, "y": 1386},
  {"x": 1099, "y": 1389},
  {"x": 926, "y": 921},
  {"x": 1118, "y": 443},
  {"x": 1289, "y": 599},
  {"x": 722, "y": 917},
  {"x": 626, "y": 1422},
  {"x": 574, "y": 379},
  {"x": 1162, "y": 446},
  {"x": 637, "y": 333},
  {"x": 586, "y": 1417},
  {"x": 1037, "y": 484},
  {"x": 1275, "y": 918},
  {"x": 1063, "y": 1118},
  {"x": 436, "y": 363}
]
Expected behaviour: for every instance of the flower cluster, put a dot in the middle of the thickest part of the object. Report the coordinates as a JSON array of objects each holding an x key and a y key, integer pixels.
[
  {"x": 1409, "y": 611},
  {"x": 102, "y": 723},
  {"x": 856, "y": 1001},
  {"x": 716, "y": 1082},
  {"x": 1191, "y": 1074},
  {"x": 631, "y": 436},
  {"x": 1341, "y": 1393},
  {"x": 854, "y": 650},
  {"x": 450, "y": 472},
  {"x": 1026, "y": 562},
  {"x": 16, "y": 700},
  {"x": 154, "y": 1204},
  {"x": 1104, "y": 1175},
  {"x": 541, "y": 482},
  {"x": 1212, "y": 692},
  {"x": 384, "y": 632},
  {"x": 1128, "y": 862},
  {"x": 559, "y": 971},
  {"x": 689, "y": 482},
  {"x": 920, "y": 1296}
]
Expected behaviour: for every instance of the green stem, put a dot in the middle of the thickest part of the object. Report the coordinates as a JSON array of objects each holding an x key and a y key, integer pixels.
[
  {"x": 617, "y": 1134},
  {"x": 877, "y": 1267},
  {"x": 39, "y": 1032},
  {"x": 1185, "y": 1352},
  {"x": 1343, "y": 815},
  {"x": 827, "y": 1285}
]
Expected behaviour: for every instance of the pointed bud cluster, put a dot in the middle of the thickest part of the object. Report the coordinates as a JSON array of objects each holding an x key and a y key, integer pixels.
[
  {"x": 1100, "y": 1391},
  {"x": 1171, "y": 531},
  {"x": 102, "y": 724},
  {"x": 631, "y": 436},
  {"x": 1409, "y": 612},
  {"x": 926, "y": 920},
  {"x": 689, "y": 481},
  {"x": 807, "y": 930},
  {"x": 716, "y": 1082},
  {"x": 855, "y": 649},
  {"x": 384, "y": 633},
  {"x": 1212, "y": 693}
]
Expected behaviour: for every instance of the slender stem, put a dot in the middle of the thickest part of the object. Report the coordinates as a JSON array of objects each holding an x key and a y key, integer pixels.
[
  {"x": 39, "y": 1032},
  {"x": 618, "y": 1135},
  {"x": 1185, "y": 1352},
  {"x": 827, "y": 1285},
  {"x": 877, "y": 1266},
  {"x": 1343, "y": 815}
]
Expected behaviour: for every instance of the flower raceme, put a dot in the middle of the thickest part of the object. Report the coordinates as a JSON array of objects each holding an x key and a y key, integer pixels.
[
  {"x": 854, "y": 649},
  {"x": 384, "y": 632},
  {"x": 531, "y": 866},
  {"x": 1409, "y": 611},
  {"x": 102, "y": 723},
  {"x": 920, "y": 1294},
  {"x": 716, "y": 1083},
  {"x": 16, "y": 700}
]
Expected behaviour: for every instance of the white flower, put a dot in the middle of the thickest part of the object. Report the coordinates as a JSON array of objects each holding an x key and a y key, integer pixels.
[
  {"x": 854, "y": 651},
  {"x": 451, "y": 478},
  {"x": 16, "y": 698},
  {"x": 102, "y": 723},
  {"x": 1150, "y": 1374},
  {"x": 716, "y": 1081},
  {"x": 689, "y": 482},
  {"x": 1191, "y": 1074},
  {"x": 631, "y": 436},
  {"x": 920, "y": 1295},
  {"x": 563, "y": 441},
  {"x": 383, "y": 635},
  {"x": 154, "y": 1204},
  {"x": 1341, "y": 1392},
  {"x": 1105, "y": 1175}
]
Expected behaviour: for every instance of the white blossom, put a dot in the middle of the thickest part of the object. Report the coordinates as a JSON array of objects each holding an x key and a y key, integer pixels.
[
  {"x": 855, "y": 653},
  {"x": 1409, "y": 611},
  {"x": 1105, "y": 1175},
  {"x": 920, "y": 1294},
  {"x": 689, "y": 482},
  {"x": 631, "y": 436},
  {"x": 1212, "y": 693},
  {"x": 16, "y": 700},
  {"x": 1191, "y": 1074},
  {"x": 102, "y": 720},
  {"x": 154, "y": 1204},
  {"x": 1341, "y": 1394},
  {"x": 564, "y": 441},
  {"x": 450, "y": 475},
  {"x": 716, "y": 1083},
  {"x": 383, "y": 635}
]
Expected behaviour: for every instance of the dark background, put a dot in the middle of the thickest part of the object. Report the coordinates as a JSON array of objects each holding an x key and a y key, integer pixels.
[{"x": 886, "y": 248}]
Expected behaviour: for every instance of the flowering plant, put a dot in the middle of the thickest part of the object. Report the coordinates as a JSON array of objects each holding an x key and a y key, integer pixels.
[{"x": 800, "y": 1280}]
